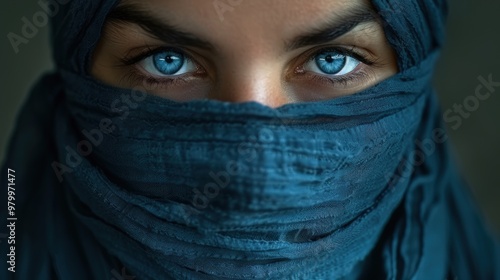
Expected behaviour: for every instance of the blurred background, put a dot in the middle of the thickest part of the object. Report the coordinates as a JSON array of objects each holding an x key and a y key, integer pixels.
[{"x": 472, "y": 50}]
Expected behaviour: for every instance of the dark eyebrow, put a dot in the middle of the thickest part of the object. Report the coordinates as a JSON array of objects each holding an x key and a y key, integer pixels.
[
  {"x": 338, "y": 26},
  {"x": 155, "y": 27}
]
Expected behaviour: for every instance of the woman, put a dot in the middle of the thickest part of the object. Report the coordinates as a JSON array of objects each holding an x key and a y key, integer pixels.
[{"x": 242, "y": 140}]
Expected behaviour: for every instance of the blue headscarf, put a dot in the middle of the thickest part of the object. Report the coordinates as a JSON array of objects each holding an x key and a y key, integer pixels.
[{"x": 359, "y": 187}]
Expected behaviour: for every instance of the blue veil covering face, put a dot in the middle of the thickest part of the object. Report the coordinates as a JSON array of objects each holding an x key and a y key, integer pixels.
[{"x": 359, "y": 187}]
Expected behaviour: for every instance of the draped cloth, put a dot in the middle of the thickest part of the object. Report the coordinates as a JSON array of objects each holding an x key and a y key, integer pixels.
[{"x": 358, "y": 187}]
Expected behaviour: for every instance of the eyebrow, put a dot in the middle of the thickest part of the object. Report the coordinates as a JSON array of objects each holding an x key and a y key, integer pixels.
[
  {"x": 160, "y": 29},
  {"x": 335, "y": 27},
  {"x": 164, "y": 31}
]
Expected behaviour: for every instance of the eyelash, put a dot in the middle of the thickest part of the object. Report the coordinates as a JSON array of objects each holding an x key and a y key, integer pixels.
[
  {"x": 343, "y": 80},
  {"x": 151, "y": 82}
]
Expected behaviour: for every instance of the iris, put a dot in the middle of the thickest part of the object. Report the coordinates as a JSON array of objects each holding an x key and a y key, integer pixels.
[
  {"x": 168, "y": 62},
  {"x": 331, "y": 62}
]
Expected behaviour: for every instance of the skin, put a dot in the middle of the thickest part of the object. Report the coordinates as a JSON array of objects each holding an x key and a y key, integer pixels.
[{"x": 249, "y": 60}]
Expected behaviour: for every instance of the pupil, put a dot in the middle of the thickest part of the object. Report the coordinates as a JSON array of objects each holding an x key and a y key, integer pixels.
[{"x": 169, "y": 59}]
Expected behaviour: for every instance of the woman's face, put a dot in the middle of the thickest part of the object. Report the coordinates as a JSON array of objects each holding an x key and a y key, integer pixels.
[{"x": 269, "y": 51}]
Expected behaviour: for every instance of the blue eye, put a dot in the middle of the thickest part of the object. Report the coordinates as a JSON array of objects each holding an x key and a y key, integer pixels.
[
  {"x": 332, "y": 63},
  {"x": 168, "y": 63}
]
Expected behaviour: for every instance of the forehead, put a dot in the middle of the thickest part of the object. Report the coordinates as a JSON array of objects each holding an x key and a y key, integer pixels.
[{"x": 266, "y": 19}]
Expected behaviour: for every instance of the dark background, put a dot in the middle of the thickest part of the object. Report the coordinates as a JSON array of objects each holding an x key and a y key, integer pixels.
[{"x": 472, "y": 50}]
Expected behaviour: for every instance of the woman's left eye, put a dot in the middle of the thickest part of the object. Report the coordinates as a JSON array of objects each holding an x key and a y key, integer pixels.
[
  {"x": 168, "y": 63},
  {"x": 333, "y": 63}
]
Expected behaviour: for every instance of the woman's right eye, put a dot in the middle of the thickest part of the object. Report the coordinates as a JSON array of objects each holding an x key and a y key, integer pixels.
[{"x": 168, "y": 63}]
